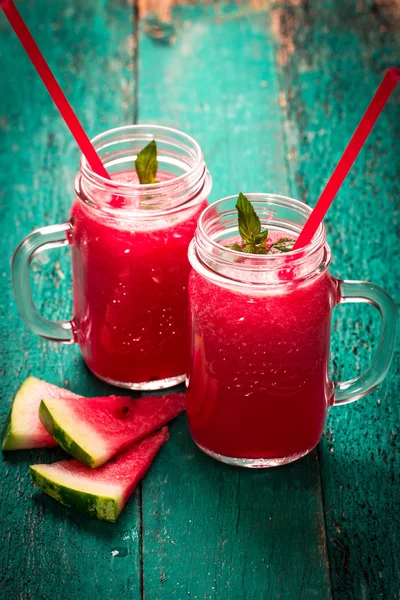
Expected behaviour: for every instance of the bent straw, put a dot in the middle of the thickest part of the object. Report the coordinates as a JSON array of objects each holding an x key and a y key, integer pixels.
[
  {"x": 344, "y": 165},
  {"x": 41, "y": 66}
]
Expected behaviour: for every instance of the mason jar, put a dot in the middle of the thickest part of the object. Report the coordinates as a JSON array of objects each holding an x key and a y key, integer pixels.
[
  {"x": 258, "y": 385},
  {"x": 130, "y": 269}
]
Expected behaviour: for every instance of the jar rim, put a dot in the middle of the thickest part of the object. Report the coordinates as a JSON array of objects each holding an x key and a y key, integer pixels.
[
  {"x": 317, "y": 241},
  {"x": 186, "y": 181},
  {"x": 152, "y": 130},
  {"x": 210, "y": 257}
]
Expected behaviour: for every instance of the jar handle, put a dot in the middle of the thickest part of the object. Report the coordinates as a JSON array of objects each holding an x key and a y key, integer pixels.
[
  {"x": 363, "y": 291},
  {"x": 38, "y": 241}
]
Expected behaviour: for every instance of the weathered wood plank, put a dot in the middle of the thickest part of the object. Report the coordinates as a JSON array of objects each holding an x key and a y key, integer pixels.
[
  {"x": 49, "y": 551},
  {"x": 211, "y": 531},
  {"x": 333, "y": 55}
]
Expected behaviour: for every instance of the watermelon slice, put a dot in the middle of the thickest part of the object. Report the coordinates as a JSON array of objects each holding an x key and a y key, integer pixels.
[
  {"x": 96, "y": 430},
  {"x": 23, "y": 429},
  {"x": 104, "y": 492}
]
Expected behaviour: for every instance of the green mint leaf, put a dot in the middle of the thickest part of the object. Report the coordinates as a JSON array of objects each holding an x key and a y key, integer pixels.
[
  {"x": 235, "y": 247},
  {"x": 146, "y": 164},
  {"x": 249, "y": 249},
  {"x": 249, "y": 223},
  {"x": 283, "y": 245},
  {"x": 261, "y": 237}
]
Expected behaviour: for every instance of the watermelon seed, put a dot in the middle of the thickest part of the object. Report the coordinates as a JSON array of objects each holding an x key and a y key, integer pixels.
[{"x": 122, "y": 413}]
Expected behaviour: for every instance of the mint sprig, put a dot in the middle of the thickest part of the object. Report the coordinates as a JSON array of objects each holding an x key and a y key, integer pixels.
[
  {"x": 146, "y": 164},
  {"x": 253, "y": 239},
  {"x": 249, "y": 228}
]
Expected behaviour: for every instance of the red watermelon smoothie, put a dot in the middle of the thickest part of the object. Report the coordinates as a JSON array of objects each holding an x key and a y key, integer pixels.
[
  {"x": 258, "y": 385},
  {"x": 130, "y": 273}
]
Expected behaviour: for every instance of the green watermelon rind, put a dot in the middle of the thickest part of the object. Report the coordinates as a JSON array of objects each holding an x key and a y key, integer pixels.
[
  {"x": 49, "y": 421},
  {"x": 105, "y": 508},
  {"x": 10, "y": 441}
]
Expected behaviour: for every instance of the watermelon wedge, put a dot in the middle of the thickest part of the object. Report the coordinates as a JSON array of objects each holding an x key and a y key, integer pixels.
[
  {"x": 96, "y": 430},
  {"x": 23, "y": 429},
  {"x": 104, "y": 492}
]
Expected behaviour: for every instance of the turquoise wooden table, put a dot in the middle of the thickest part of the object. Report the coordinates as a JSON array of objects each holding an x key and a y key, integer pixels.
[{"x": 272, "y": 91}]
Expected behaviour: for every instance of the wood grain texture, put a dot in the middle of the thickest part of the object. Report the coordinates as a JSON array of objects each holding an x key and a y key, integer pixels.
[
  {"x": 333, "y": 56},
  {"x": 272, "y": 91},
  {"x": 212, "y": 531},
  {"x": 49, "y": 551}
]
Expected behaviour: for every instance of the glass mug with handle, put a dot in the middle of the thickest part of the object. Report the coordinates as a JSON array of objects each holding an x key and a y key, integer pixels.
[
  {"x": 258, "y": 385},
  {"x": 129, "y": 259}
]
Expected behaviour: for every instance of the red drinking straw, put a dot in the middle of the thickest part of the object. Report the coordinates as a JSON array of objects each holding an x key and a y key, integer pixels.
[
  {"x": 67, "y": 113},
  {"x": 344, "y": 165}
]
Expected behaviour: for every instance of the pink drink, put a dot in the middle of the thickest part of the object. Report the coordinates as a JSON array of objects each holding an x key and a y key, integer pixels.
[
  {"x": 260, "y": 382},
  {"x": 130, "y": 291}
]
